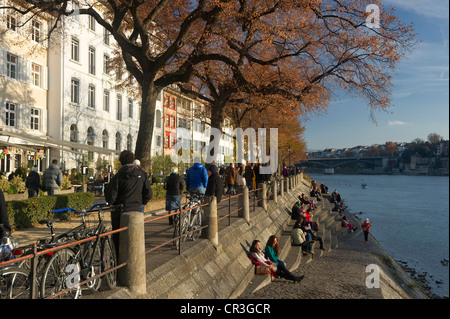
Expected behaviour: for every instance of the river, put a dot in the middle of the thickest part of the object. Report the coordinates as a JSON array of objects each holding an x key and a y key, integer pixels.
[{"x": 410, "y": 218}]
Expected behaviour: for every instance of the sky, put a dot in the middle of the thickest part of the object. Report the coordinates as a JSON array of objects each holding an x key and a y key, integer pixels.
[{"x": 420, "y": 96}]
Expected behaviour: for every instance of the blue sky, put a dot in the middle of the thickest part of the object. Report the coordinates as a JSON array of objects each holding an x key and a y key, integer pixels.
[{"x": 420, "y": 97}]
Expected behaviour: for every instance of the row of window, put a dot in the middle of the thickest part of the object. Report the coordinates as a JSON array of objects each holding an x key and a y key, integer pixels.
[
  {"x": 75, "y": 98},
  {"x": 11, "y": 118},
  {"x": 17, "y": 69},
  {"x": 90, "y": 138},
  {"x": 12, "y": 23},
  {"x": 75, "y": 56}
]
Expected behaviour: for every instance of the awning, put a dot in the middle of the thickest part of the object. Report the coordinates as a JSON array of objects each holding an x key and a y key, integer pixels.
[{"x": 50, "y": 142}]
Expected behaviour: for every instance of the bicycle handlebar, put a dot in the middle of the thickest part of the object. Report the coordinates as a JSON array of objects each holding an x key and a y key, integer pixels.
[{"x": 80, "y": 211}]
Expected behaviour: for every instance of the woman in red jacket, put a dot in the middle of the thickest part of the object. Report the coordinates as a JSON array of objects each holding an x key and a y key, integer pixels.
[{"x": 366, "y": 228}]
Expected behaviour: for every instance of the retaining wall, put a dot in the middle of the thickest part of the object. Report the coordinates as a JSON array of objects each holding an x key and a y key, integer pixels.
[{"x": 223, "y": 271}]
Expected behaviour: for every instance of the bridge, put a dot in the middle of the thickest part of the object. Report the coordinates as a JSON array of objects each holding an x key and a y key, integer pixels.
[{"x": 338, "y": 162}]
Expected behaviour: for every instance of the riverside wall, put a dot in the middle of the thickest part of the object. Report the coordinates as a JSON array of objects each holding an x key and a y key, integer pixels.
[{"x": 223, "y": 271}]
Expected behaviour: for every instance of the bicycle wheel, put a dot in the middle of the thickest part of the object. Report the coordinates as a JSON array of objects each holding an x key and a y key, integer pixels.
[
  {"x": 197, "y": 223},
  {"x": 109, "y": 261},
  {"x": 62, "y": 272},
  {"x": 94, "y": 259},
  {"x": 15, "y": 283},
  {"x": 180, "y": 230}
]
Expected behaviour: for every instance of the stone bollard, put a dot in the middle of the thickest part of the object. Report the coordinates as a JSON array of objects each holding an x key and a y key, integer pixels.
[
  {"x": 212, "y": 231},
  {"x": 244, "y": 205},
  {"x": 132, "y": 251},
  {"x": 262, "y": 196},
  {"x": 281, "y": 187},
  {"x": 275, "y": 191},
  {"x": 286, "y": 184}
]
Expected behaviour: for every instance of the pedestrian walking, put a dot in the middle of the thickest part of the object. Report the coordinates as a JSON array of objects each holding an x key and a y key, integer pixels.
[
  {"x": 230, "y": 176},
  {"x": 127, "y": 190},
  {"x": 52, "y": 178},
  {"x": 173, "y": 185},
  {"x": 197, "y": 177},
  {"x": 33, "y": 182},
  {"x": 215, "y": 185},
  {"x": 366, "y": 229}
]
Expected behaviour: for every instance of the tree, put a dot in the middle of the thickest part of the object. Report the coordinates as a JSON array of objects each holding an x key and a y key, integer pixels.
[
  {"x": 301, "y": 50},
  {"x": 434, "y": 138}
]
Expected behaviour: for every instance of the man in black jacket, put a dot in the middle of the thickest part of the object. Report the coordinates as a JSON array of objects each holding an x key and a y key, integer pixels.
[
  {"x": 130, "y": 188},
  {"x": 215, "y": 184}
]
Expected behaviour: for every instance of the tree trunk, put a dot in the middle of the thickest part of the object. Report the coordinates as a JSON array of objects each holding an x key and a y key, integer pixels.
[{"x": 147, "y": 120}]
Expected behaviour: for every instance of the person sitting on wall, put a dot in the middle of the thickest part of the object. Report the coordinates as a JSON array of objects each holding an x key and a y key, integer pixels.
[
  {"x": 298, "y": 238},
  {"x": 296, "y": 210}
]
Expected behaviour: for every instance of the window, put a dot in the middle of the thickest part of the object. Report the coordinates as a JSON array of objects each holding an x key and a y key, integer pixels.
[
  {"x": 167, "y": 120},
  {"x": 118, "y": 141},
  {"x": 106, "y": 100},
  {"x": 10, "y": 117},
  {"x": 34, "y": 119},
  {"x": 11, "y": 64},
  {"x": 129, "y": 142},
  {"x": 158, "y": 140},
  {"x": 106, "y": 35},
  {"x": 75, "y": 50},
  {"x": 91, "y": 96},
  {"x": 119, "y": 107},
  {"x": 92, "y": 23},
  {"x": 11, "y": 22},
  {"x": 73, "y": 133},
  {"x": 105, "y": 138},
  {"x": 75, "y": 91},
  {"x": 172, "y": 123},
  {"x": 167, "y": 140},
  {"x": 36, "y": 74},
  {"x": 158, "y": 118},
  {"x": 36, "y": 30},
  {"x": 130, "y": 108},
  {"x": 92, "y": 60},
  {"x": 90, "y": 141},
  {"x": 106, "y": 64},
  {"x": 172, "y": 103},
  {"x": 174, "y": 140}
]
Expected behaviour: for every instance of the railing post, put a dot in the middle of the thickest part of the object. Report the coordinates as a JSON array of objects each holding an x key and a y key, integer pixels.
[
  {"x": 244, "y": 205},
  {"x": 132, "y": 251},
  {"x": 275, "y": 191},
  {"x": 263, "y": 198},
  {"x": 212, "y": 232}
]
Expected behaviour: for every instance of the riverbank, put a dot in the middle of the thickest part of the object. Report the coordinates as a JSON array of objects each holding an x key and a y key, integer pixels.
[{"x": 341, "y": 273}]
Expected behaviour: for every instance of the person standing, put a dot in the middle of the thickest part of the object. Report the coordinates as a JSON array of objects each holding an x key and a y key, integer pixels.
[
  {"x": 174, "y": 188},
  {"x": 197, "y": 177},
  {"x": 52, "y": 178},
  {"x": 4, "y": 219},
  {"x": 33, "y": 182},
  {"x": 366, "y": 229},
  {"x": 249, "y": 175},
  {"x": 129, "y": 188},
  {"x": 215, "y": 184},
  {"x": 230, "y": 176}
]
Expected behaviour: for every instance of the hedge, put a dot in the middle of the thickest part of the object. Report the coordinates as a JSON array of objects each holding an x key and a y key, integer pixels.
[{"x": 27, "y": 213}]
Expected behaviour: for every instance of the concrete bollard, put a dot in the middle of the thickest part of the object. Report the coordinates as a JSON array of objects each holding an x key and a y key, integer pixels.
[
  {"x": 286, "y": 184},
  {"x": 212, "y": 231},
  {"x": 132, "y": 251},
  {"x": 262, "y": 196},
  {"x": 281, "y": 187},
  {"x": 275, "y": 191},
  {"x": 244, "y": 205}
]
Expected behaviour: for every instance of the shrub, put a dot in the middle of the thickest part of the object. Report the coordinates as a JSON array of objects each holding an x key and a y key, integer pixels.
[
  {"x": 27, "y": 213},
  {"x": 17, "y": 185},
  {"x": 4, "y": 184}
]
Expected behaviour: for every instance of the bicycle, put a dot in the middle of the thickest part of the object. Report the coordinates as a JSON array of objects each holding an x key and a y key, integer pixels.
[
  {"x": 189, "y": 220},
  {"x": 72, "y": 266},
  {"x": 14, "y": 281}
]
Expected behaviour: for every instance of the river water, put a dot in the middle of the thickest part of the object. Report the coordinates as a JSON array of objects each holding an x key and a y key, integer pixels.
[{"x": 410, "y": 218}]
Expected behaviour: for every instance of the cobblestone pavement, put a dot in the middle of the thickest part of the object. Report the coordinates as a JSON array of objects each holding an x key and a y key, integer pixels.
[{"x": 338, "y": 274}]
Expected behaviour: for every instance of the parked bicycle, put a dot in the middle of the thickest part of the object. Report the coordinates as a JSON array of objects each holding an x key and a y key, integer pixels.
[
  {"x": 83, "y": 263},
  {"x": 189, "y": 220}
]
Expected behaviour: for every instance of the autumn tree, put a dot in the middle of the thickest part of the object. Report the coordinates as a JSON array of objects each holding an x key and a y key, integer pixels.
[{"x": 302, "y": 50}]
